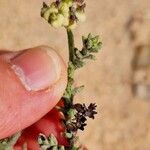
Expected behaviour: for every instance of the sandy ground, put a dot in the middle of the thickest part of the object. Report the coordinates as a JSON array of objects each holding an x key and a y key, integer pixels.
[{"x": 119, "y": 81}]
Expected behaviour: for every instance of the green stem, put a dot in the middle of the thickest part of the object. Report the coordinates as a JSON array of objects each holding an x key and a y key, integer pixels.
[
  {"x": 70, "y": 45},
  {"x": 71, "y": 69},
  {"x": 69, "y": 100}
]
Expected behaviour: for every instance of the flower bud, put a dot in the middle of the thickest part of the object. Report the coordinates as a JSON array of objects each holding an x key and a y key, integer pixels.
[
  {"x": 45, "y": 14},
  {"x": 47, "y": 11},
  {"x": 53, "y": 8},
  {"x": 64, "y": 9},
  {"x": 69, "y": 2},
  {"x": 81, "y": 15},
  {"x": 57, "y": 20}
]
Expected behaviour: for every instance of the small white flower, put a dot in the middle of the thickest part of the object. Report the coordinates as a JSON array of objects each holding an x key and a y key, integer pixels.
[
  {"x": 64, "y": 9},
  {"x": 49, "y": 10},
  {"x": 57, "y": 21},
  {"x": 81, "y": 16},
  {"x": 53, "y": 8},
  {"x": 69, "y": 2}
]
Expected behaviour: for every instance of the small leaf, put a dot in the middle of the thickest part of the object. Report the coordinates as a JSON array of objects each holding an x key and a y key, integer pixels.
[
  {"x": 71, "y": 113},
  {"x": 8, "y": 143},
  {"x": 77, "y": 89},
  {"x": 68, "y": 135},
  {"x": 52, "y": 140}
]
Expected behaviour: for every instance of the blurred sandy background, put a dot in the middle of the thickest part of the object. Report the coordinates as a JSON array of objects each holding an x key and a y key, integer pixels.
[{"x": 119, "y": 81}]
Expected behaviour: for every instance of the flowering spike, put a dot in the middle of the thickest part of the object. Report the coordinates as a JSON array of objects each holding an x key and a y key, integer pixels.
[{"x": 64, "y": 13}]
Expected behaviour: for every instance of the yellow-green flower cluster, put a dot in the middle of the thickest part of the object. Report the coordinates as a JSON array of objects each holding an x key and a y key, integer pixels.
[{"x": 64, "y": 13}]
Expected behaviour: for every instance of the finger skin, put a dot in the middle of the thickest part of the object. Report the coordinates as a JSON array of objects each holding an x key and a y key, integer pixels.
[{"x": 20, "y": 108}]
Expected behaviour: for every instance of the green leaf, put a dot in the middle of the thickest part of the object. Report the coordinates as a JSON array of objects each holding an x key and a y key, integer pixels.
[
  {"x": 8, "y": 143},
  {"x": 71, "y": 113},
  {"x": 68, "y": 135},
  {"x": 77, "y": 89}
]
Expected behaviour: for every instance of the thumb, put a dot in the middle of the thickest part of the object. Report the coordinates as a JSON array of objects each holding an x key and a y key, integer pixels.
[{"x": 31, "y": 83}]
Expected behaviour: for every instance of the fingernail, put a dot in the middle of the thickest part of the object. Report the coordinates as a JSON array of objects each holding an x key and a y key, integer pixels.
[{"x": 37, "y": 68}]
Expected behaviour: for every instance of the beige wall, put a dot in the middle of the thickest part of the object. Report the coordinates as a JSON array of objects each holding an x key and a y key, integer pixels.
[{"x": 119, "y": 81}]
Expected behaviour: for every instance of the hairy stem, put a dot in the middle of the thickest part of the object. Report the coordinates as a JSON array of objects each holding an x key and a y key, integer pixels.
[
  {"x": 69, "y": 98},
  {"x": 70, "y": 44}
]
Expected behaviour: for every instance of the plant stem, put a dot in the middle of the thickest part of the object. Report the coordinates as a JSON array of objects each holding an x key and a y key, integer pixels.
[
  {"x": 69, "y": 100},
  {"x": 71, "y": 69},
  {"x": 70, "y": 45}
]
